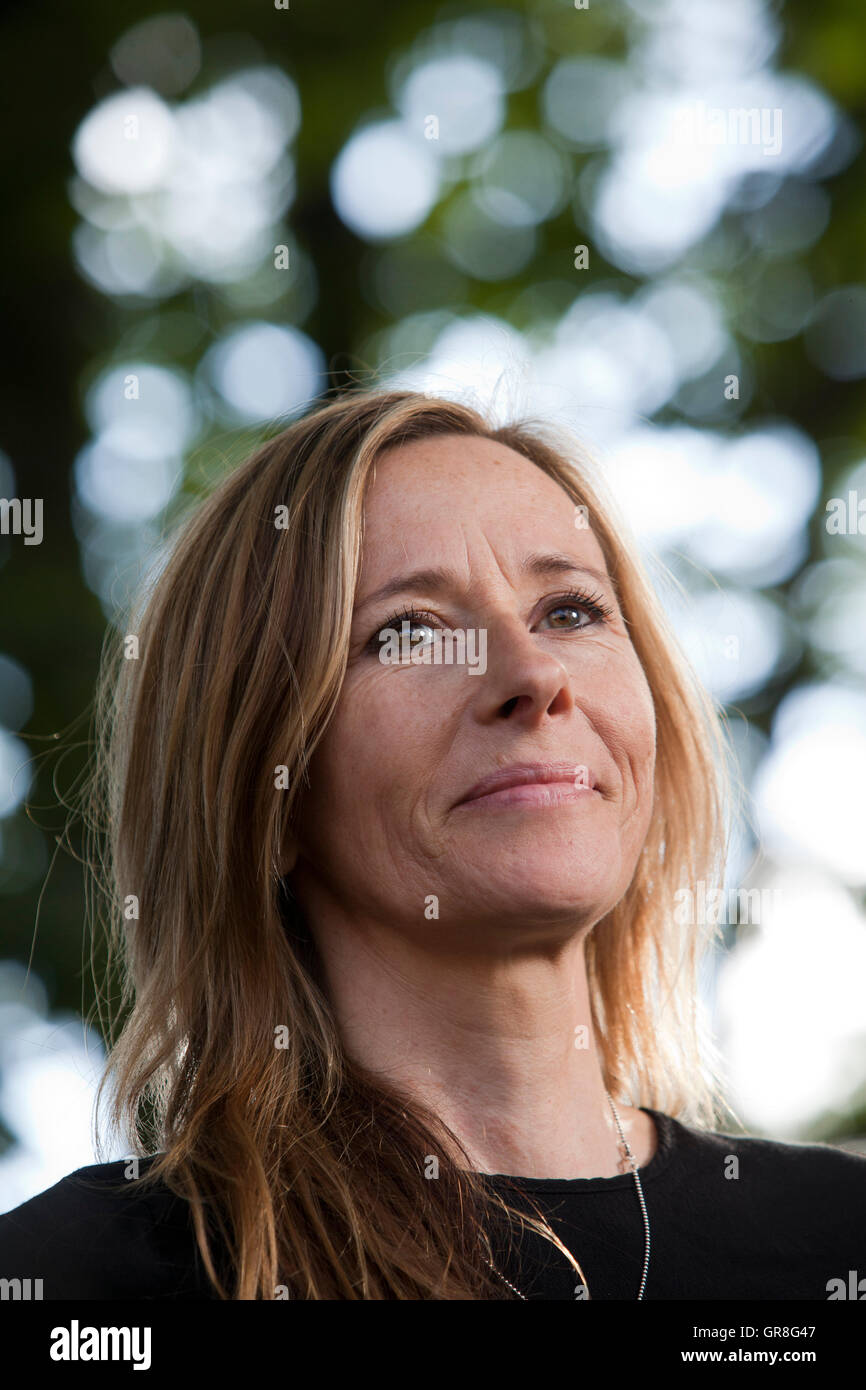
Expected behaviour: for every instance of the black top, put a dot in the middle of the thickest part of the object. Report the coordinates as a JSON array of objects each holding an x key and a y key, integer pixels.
[{"x": 779, "y": 1223}]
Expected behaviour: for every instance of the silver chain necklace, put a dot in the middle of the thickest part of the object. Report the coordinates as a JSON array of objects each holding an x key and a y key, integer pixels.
[{"x": 634, "y": 1168}]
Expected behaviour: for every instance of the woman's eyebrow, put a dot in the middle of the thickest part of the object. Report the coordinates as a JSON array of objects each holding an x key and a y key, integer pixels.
[{"x": 438, "y": 580}]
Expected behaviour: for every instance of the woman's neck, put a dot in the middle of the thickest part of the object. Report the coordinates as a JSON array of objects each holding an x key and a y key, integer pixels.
[{"x": 501, "y": 1049}]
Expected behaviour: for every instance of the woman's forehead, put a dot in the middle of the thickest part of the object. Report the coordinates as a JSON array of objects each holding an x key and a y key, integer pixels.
[
  {"x": 459, "y": 502},
  {"x": 455, "y": 481}
]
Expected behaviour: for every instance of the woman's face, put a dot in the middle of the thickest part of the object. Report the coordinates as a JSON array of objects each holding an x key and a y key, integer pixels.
[{"x": 383, "y": 834}]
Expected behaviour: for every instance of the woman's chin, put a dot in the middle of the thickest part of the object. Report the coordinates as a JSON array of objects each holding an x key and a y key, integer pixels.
[
  {"x": 534, "y": 899},
  {"x": 564, "y": 854}
]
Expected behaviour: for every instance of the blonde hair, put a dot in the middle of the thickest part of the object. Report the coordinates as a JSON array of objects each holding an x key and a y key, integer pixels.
[{"x": 302, "y": 1169}]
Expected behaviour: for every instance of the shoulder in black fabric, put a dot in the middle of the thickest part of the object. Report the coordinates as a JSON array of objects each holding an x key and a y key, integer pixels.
[{"x": 100, "y": 1233}]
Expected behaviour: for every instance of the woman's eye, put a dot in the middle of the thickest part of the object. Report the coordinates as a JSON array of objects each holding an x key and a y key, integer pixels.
[
  {"x": 394, "y": 625},
  {"x": 591, "y": 608},
  {"x": 575, "y": 611},
  {"x": 571, "y": 613},
  {"x": 416, "y": 627}
]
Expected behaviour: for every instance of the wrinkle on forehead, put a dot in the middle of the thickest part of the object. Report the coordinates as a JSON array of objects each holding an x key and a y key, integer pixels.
[{"x": 527, "y": 502}]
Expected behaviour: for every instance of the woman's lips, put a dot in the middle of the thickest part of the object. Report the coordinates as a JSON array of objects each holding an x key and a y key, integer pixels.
[
  {"x": 540, "y": 794},
  {"x": 531, "y": 780}
]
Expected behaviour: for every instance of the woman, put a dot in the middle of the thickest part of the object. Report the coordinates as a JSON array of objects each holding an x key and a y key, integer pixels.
[{"x": 397, "y": 931}]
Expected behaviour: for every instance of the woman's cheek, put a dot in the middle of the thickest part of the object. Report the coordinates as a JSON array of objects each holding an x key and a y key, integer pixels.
[
  {"x": 640, "y": 701},
  {"x": 632, "y": 730}
]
